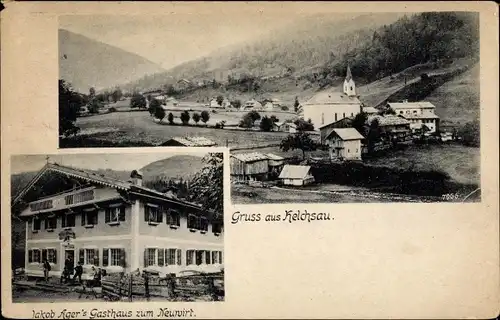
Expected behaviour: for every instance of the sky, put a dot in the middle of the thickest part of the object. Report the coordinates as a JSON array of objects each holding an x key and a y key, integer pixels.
[
  {"x": 116, "y": 161},
  {"x": 177, "y": 37}
]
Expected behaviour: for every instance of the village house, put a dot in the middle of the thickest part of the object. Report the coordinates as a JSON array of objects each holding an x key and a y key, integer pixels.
[
  {"x": 251, "y": 105},
  {"x": 270, "y": 104},
  {"x": 344, "y": 143},
  {"x": 327, "y": 107},
  {"x": 293, "y": 175},
  {"x": 370, "y": 111},
  {"x": 249, "y": 167},
  {"x": 421, "y": 114},
  {"x": 116, "y": 225},
  {"x": 214, "y": 104},
  {"x": 395, "y": 128},
  {"x": 183, "y": 84},
  {"x": 189, "y": 142},
  {"x": 328, "y": 128},
  {"x": 286, "y": 126}
]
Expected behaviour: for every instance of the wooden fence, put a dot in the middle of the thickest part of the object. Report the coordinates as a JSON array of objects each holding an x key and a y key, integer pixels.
[{"x": 119, "y": 286}]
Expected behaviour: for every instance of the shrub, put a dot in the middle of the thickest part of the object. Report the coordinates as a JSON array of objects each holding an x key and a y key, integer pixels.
[
  {"x": 112, "y": 109},
  {"x": 170, "y": 118},
  {"x": 185, "y": 117},
  {"x": 284, "y": 108},
  {"x": 205, "y": 116}
]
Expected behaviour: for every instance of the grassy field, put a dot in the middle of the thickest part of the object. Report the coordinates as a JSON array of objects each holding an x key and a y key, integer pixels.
[{"x": 139, "y": 126}]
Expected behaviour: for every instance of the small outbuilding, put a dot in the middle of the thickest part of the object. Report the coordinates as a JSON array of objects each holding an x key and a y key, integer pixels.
[
  {"x": 293, "y": 175},
  {"x": 249, "y": 166}
]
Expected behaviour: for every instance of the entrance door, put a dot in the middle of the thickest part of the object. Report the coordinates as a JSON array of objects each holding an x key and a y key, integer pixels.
[{"x": 69, "y": 254}]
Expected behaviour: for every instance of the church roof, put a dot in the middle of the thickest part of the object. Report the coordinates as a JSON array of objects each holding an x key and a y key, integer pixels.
[
  {"x": 327, "y": 97},
  {"x": 348, "y": 75}
]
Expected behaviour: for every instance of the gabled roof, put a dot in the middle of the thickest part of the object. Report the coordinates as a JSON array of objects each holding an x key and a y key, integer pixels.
[
  {"x": 294, "y": 172},
  {"x": 411, "y": 105},
  {"x": 250, "y": 157},
  {"x": 388, "y": 120},
  {"x": 101, "y": 179},
  {"x": 347, "y": 134},
  {"x": 328, "y": 97},
  {"x": 370, "y": 110},
  {"x": 275, "y": 157}
]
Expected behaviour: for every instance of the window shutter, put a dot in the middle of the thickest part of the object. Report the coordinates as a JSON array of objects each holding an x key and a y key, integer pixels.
[
  {"x": 169, "y": 218},
  {"x": 161, "y": 257},
  {"x": 107, "y": 218},
  {"x": 123, "y": 261},
  {"x": 64, "y": 220},
  {"x": 122, "y": 213},
  {"x": 214, "y": 259},
  {"x": 81, "y": 256},
  {"x": 105, "y": 257},
  {"x": 159, "y": 216},
  {"x": 179, "y": 257},
  {"x": 55, "y": 256},
  {"x": 96, "y": 257},
  {"x": 145, "y": 258},
  {"x": 83, "y": 218},
  {"x": 146, "y": 213},
  {"x": 44, "y": 254},
  {"x": 30, "y": 256},
  {"x": 46, "y": 222},
  {"x": 220, "y": 257}
]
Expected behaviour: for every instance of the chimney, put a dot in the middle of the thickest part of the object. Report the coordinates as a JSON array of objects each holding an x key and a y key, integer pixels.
[{"x": 136, "y": 177}]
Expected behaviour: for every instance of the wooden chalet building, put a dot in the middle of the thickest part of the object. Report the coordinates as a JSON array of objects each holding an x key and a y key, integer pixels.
[
  {"x": 249, "y": 166},
  {"x": 116, "y": 225}
]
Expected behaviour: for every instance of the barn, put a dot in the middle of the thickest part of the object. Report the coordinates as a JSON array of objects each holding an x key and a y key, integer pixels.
[
  {"x": 293, "y": 175},
  {"x": 249, "y": 166}
]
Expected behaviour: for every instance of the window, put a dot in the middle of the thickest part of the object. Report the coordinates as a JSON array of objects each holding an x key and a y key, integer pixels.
[
  {"x": 68, "y": 220},
  {"x": 116, "y": 257},
  {"x": 171, "y": 256},
  {"x": 217, "y": 257},
  {"x": 152, "y": 214},
  {"x": 192, "y": 222},
  {"x": 52, "y": 256},
  {"x": 216, "y": 228},
  {"x": 173, "y": 218},
  {"x": 150, "y": 257},
  {"x": 335, "y": 116},
  {"x": 51, "y": 223},
  {"x": 89, "y": 218},
  {"x": 91, "y": 256},
  {"x": 189, "y": 257},
  {"x": 36, "y": 256},
  {"x": 36, "y": 223},
  {"x": 203, "y": 224},
  {"x": 351, "y": 88},
  {"x": 115, "y": 214},
  {"x": 207, "y": 257}
]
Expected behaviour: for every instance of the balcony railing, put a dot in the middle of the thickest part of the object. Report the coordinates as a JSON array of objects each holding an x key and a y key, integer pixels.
[{"x": 63, "y": 199}]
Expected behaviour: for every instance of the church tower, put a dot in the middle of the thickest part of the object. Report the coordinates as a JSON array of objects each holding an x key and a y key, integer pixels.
[{"x": 349, "y": 86}]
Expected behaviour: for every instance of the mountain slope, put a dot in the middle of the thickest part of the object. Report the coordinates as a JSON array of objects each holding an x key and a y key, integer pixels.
[
  {"x": 304, "y": 44},
  {"x": 86, "y": 63}
]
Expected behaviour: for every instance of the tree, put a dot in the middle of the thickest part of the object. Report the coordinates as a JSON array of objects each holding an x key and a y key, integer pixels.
[
  {"x": 296, "y": 105},
  {"x": 94, "y": 106},
  {"x": 303, "y": 125},
  {"x": 274, "y": 119},
  {"x": 373, "y": 135},
  {"x": 153, "y": 105},
  {"x": 205, "y": 116},
  {"x": 116, "y": 94},
  {"x": 300, "y": 140},
  {"x": 159, "y": 112},
  {"x": 138, "y": 101},
  {"x": 185, "y": 117},
  {"x": 470, "y": 133},
  {"x": 219, "y": 100},
  {"x": 70, "y": 103},
  {"x": 196, "y": 117},
  {"x": 207, "y": 187},
  {"x": 91, "y": 92},
  {"x": 170, "y": 118},
  {"x": 359, "y": 123},
  {"x": 236, "y": 103},
  {"x": 266, "y": 124},
  {"x": 249, "y": 119}
]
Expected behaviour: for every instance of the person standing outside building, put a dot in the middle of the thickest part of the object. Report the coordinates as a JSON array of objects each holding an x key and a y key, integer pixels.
[{"x": 46, "y": 270}]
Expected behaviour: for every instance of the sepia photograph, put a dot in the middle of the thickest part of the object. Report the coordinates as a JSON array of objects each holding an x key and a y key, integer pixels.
[
  {"x": 117, "y": 227},
  {"x": 325, "y": 107}
]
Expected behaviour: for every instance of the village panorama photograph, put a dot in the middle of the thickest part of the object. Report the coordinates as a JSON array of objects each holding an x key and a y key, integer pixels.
[
  {"x": 315, "y": 106},
  {"x": 117, "y": 227}
]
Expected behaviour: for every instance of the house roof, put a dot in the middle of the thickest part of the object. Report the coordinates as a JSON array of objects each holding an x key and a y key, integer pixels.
[
  {"x": 272, "y": 156},
  {"x": 420, "y": 116},
  {"x": 411, "y": 105},
  {"x": 347, "y": 134},
  {"x": 348, "y": 120},
  {"x": 370, "y": 110},
  {"x": 193, "y": 141},
  {"x": 328, "y": 97},
  {"x": 294, "y": 172},
  {"x": 250, "y": 157},
  {"x": 388, "y": 120},
  {"x": 98, "y": 179}
]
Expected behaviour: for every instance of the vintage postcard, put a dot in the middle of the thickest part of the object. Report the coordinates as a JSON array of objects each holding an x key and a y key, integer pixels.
[{"x": 340, "y": 160}]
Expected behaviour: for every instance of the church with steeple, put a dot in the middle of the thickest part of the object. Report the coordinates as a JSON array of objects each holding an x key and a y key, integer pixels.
[{"x": 331, "y": 105}]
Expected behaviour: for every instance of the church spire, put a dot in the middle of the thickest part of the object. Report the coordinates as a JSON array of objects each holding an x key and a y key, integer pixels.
[{"x": 348, "y": 76}]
